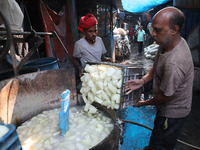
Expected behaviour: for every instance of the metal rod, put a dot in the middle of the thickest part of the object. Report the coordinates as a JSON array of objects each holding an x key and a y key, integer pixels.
[
  {"x": 14, "y": 60},
  {"x": 37, "y": 42},
  {"x": 26, "y": 33},
  {"x": 129, "y": 75}
]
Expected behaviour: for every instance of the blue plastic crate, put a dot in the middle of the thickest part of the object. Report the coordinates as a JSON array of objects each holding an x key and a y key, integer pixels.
[{"x": 10, "y": 140}]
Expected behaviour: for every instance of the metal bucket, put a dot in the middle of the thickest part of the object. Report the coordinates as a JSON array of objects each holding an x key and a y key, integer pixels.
[
  {"x": 27, "y": 95},
  {"x": 45, "y": 63}
]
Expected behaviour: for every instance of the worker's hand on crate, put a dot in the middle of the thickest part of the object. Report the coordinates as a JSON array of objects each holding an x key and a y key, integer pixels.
[
  {"x": 80, "y": 70},
  {"x": 133, "y": 84},
  {"x": 140, "y": 103}
]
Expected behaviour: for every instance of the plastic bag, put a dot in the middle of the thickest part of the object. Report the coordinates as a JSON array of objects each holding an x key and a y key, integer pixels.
[
  {"x": 64, "y": 112},
  {"x": 13, "y": 13}
]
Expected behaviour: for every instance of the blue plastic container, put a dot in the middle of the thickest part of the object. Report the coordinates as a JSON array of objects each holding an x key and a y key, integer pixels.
[
  {"x": 136, "y": 137},
  {"x": 10, "y": 140},
  {"x": 45, "y": 63}
]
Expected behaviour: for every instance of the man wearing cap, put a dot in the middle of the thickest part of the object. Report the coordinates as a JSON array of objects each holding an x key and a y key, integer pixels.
[{"x": 91, "y": 47}]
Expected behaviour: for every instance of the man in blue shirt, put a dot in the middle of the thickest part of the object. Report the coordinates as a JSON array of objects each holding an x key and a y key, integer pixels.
[{"x": 141, "y": 36}]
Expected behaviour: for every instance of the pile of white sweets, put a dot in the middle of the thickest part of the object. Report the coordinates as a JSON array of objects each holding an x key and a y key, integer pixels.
[
  {"x": 101, "y": 84},
  {"x": 42, "y": 131},
  {"x": 150, "y": 51}
]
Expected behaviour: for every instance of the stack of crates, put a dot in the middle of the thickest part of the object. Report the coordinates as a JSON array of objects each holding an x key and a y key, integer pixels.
[{"x": 10, "y": 140}]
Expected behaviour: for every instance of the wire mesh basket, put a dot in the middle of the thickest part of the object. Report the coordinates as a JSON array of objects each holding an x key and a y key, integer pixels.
[{"x": 128, "y": 74}]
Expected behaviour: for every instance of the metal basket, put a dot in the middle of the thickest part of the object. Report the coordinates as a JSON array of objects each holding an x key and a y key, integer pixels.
[{"x": 128, "y": 74}]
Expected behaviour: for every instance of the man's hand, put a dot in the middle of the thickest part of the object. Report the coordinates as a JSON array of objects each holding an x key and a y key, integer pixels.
[
  {"x": 108, "y": 59},
  {"x": 139, "y": 104},
  {"x": 158, "y": 99},
  {"x": 104, "y": 58},
  {"x": 134, "y": 84},
  {"x": 80, "y": 72}
]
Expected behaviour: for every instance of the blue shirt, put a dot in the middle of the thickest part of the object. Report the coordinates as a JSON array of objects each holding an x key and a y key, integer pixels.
[{"x": 140, "y": 37}]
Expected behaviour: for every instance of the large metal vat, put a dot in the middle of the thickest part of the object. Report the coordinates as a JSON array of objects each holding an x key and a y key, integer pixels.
[{"x": 25, "y": 96}]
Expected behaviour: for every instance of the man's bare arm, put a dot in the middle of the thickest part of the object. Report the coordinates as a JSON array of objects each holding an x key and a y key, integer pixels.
[
  {"x": 104, "y": 58},
  {"x": 76, "y": 64},
  {"x": 158, "y": 99},
  {"x": 148, "y": 76}
]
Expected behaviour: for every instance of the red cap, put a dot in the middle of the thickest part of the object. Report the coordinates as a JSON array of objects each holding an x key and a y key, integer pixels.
[{"x": 87, "y": 21}]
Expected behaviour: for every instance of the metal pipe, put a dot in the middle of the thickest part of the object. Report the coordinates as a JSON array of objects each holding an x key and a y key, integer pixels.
[{"x": 26, "y": 33}]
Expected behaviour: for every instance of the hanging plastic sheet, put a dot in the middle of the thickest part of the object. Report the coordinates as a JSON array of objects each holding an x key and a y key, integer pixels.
[
  {"x": 137, "y": 6},
  {"x": 57, "y": 22}
]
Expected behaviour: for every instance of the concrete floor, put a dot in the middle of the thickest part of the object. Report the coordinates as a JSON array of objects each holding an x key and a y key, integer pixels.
[{"x": 137, "y": 60}]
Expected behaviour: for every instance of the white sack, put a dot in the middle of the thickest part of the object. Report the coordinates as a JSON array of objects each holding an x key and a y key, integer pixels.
[{"x": 13, "y": 13}]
